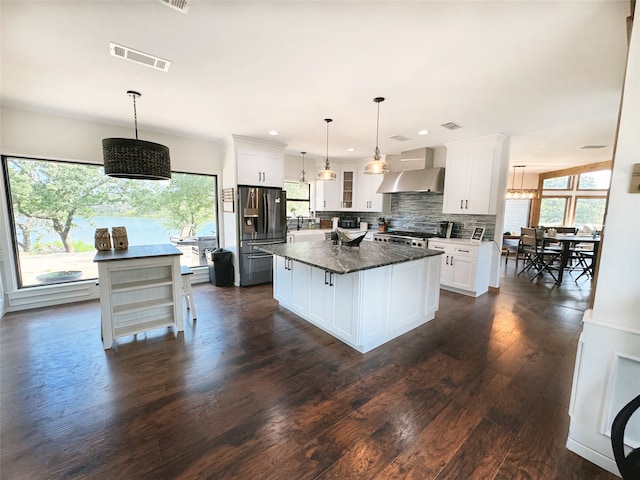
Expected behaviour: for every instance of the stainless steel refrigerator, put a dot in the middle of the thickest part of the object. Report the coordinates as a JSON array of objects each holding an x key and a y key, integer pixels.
[{"x": 262, "y": 220}]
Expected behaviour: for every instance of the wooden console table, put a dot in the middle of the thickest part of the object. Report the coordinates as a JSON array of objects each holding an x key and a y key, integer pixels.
[{"x": 140, "y": 290}]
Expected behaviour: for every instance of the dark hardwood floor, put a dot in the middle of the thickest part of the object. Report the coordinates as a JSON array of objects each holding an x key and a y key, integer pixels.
[{"x": 250, "y": 391}]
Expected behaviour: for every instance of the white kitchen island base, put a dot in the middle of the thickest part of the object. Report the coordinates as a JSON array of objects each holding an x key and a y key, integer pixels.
[{"x": 363, "y": 309}]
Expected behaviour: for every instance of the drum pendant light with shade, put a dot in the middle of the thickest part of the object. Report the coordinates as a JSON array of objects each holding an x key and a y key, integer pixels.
[
  {"x": 303, "y": 177},
  {"x": 377, "y": 165},
  {"x": 134, "y": 158},
  {"x": 327, "y": 173}
]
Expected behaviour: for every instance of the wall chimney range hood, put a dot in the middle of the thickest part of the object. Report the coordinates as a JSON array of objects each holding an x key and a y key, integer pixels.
[{"x": 423, "y": 179}]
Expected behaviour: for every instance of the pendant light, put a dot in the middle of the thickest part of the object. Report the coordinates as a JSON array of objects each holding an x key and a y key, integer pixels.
[
  {"x": 377, "y": 165},
  {"x": 520, "y": 194},
  {"x": 133, "y": 158},
  {"x": 327, "y": 173},
  {"x": 303, "y": 178}
]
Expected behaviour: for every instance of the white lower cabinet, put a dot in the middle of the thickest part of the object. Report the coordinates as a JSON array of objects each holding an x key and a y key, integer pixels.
[
  {"x": 291, "y": 283},
  {"x": 465, "y": 267},
  {"x": 363, "y": 309}
]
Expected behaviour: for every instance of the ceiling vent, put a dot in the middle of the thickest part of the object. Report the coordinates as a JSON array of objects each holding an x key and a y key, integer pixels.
[
  {"x": 139, "y": 57},
  {"x": 180, "y": 5},
  {"x": 451, "y": 126},
  {"x": 400, "y": 138},
  {"x": 592, "y": 147}
]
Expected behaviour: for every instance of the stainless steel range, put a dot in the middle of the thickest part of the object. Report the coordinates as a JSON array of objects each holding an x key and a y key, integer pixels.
[{"x": 404, "y": 237}]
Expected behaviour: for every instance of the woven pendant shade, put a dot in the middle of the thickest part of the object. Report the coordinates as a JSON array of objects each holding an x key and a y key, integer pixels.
[
  {"x": 133, "y": 158},
  {"x": 138, "y": 159}
]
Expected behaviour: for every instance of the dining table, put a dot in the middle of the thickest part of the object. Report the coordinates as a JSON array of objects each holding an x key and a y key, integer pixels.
[{"x": 566, "y": 240}]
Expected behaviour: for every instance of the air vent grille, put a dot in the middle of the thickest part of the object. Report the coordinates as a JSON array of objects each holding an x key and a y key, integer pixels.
[
  {"x": 400, "y": 138},
  {"x": 139, "y": 57},
  {"x": 451, "y": 126},
  {"x": 592, "y": 147},
  {"x": 180, "y": 5}
]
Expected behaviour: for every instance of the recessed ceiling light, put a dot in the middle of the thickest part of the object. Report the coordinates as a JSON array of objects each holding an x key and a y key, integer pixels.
[
  {"x": 351, "y": 149},
  {"x": 591, "y": 147},
  {"x": 273, "y": 132},
  {"x": 423, "y": 132}
]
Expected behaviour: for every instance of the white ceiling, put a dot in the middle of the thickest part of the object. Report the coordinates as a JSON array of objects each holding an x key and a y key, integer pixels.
[{"x": 547, "y": 73}]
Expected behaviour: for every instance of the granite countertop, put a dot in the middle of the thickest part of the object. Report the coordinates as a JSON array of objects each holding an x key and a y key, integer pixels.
[
  {"x": 341, "y": 260},
  {"x": 136, "y": 251}
]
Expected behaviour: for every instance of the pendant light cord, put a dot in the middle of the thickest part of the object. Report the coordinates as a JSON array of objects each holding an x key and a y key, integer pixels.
[
  {"x": 377, "y": 126},
  {"x": 134, "y": 95}
]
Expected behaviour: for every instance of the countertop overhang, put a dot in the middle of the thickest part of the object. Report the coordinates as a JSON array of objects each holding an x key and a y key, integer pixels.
[{"x": 341, "y": 260}]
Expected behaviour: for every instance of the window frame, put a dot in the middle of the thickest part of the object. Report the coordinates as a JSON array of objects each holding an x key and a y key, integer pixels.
[
  {"x": 307, "y": 200},
  {"x": 577, "y": 198},
  {"x": 567, "y": 208}
]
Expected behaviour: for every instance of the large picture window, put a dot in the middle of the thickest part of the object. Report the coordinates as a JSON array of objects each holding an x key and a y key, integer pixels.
[{"x": 55, "y": 208}]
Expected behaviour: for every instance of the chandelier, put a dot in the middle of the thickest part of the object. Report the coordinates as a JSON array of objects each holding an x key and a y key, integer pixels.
[{"x": 521, "y": 193}]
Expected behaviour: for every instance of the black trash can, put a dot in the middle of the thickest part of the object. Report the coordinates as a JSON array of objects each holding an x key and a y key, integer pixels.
[{"x": 220, "y": 267}]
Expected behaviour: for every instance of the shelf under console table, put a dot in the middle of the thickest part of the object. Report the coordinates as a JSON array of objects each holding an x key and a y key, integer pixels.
[{"x": 140, "y": 290}]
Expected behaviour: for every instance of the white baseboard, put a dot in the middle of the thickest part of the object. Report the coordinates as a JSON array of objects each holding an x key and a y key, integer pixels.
[{"x": 592, "y": 456}]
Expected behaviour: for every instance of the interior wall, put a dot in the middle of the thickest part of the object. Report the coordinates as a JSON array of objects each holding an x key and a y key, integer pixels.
[
  {"x": 44, "y": 135},
  {"x": 607, "y": 372}
]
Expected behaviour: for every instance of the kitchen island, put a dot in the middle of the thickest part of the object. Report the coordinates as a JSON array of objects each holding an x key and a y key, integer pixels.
[
  {"x": 140, "y": 290},
  {"x": 363, "y": 296}
]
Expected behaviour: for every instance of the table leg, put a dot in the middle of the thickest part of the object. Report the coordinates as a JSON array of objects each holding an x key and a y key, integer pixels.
[{"x": 564, "y": 259}]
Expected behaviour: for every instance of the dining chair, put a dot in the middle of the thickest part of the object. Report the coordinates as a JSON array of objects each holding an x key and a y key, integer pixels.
[
  {"x": 628, "y": 464},
  {"x": 537, "y": 257},
  {"x": 581, "y": 258}
]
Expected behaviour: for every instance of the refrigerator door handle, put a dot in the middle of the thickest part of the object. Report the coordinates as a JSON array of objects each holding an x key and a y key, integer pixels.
[
  {"x": 267, "y": 242},
  {"x": 265, "y": 199},
  {"x": 266, "y": 255}
]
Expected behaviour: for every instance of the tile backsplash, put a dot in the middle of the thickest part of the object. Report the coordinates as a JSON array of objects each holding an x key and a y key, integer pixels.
[{"x": 421, "y": 212}]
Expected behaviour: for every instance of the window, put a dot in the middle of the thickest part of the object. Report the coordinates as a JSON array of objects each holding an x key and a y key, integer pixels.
[
  {"x": 298, "y": 199},
  {"x": 557, "y": 183},
  {"x": 590, "y": 211},
  {"x": 516, "y": 215},
  {"x": 594, "y": 180},
  {"x": 553, "y": 211},
  {"x": 55, "y": 208},
  {"x": 583, "y": 199}
]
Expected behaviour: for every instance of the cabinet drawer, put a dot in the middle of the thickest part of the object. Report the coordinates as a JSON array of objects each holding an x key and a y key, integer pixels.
[{"x": 465, "y": 251}]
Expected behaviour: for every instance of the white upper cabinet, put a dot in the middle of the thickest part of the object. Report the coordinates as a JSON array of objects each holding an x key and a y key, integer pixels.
[
  {"x": 367, "y": 198},
  {"x": 329, "y": 193},
  {"x": 472, "y": 175},
  {"x": 259, "y": 163},
  {"x": 348, "y": 187},
  {"x": 352, "y": 191}
]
